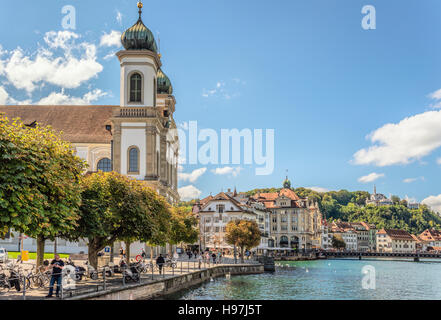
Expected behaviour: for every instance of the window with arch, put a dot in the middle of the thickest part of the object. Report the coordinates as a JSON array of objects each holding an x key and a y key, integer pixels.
[
  {"x": 133, "y": 160},
  {"x": 135, "y": 87},
  {"x": 104, "y": 165}
]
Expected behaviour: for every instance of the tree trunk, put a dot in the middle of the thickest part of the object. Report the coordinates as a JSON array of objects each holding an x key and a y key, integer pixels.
[
  {"x": 40, "y": 250},
  {"x": 93, "y": 255},
  {"x": 127, "y": 251},
  {"x": 241, "y": 254},
  {"x": 55, "y": 247},
  {"x": 170, "y": 250},
  {"x": 151, "y": 254}
]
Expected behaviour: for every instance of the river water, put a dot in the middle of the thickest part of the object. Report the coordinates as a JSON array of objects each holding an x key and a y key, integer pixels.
[{"x": 329, "y": 279}]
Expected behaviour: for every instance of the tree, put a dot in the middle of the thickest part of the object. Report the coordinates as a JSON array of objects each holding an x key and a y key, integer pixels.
[
  {"x": 183, "y": 227},
  {"x": 114, "y": 208},
  {"x": 395, "y": 199},
  {"x": 244, "y": 234},
  {"x": 39, "y": 182},
  {"x": 338, "y": 242}
]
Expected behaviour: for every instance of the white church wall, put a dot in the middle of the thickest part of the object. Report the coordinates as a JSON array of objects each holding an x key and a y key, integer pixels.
[{"x": 132, "y": 136}]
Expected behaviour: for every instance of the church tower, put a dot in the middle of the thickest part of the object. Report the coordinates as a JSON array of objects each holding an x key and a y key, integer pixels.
[{"x": 145, "y": 146}]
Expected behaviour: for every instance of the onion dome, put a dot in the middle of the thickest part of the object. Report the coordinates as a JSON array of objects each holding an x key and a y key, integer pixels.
[
  {"x": 164, "y": 83},
  {"x": 287, "y": 183},
  {"x": 138, "y": 36}
]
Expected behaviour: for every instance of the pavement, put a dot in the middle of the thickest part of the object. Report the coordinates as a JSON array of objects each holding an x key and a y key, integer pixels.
[{"x": 87, "y": 285}]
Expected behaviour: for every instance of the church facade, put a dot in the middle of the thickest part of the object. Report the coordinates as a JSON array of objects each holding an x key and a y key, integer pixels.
[{"x": 138, "y": 137}]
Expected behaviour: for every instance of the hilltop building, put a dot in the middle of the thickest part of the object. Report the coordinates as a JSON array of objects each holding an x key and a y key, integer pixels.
[{"x": 378, "y": 199}]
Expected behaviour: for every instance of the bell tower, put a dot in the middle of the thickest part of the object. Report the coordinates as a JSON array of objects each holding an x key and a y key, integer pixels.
[{"x": 145, "y": 147}]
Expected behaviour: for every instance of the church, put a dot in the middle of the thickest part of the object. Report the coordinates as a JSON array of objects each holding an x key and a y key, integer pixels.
[{"x": 138, "y": 137}]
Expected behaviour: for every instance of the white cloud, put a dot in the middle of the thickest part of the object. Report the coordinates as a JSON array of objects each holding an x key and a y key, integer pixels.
[
  {"x": 436, "y": 95},
  {"x": 76, "y": 64},
  {"x": 371, "y": 177},
  {"x": 189, "y": 192},
  {"x": 318, "y": 189},
  {"x": 438, "y": 161},
  {"x": 411, "y": 139},
  {"x": 227, "y": 171},
  {"x": 193, "y": 176},
  {"x": 410, "y": 180},
  {"x": 119, "y": 17},
  {"x": 111, "y": 39},
  {"x": 61, "y": 98},
  {"x": 3, "y": 96},
  {"x": 224, "y": 90},
  {"x": 434, "y": 202}
]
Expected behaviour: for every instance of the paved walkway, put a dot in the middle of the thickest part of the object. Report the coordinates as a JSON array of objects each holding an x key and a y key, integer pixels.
[{"x": 85, "y": 286}]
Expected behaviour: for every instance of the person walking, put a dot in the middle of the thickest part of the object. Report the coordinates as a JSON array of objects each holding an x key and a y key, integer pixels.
[
  {"x": 160, "y": 261},
  {"x": 143, "y": 255},
  {"x": 57, "y": 266},
  {"x": 213, "y": 256}
]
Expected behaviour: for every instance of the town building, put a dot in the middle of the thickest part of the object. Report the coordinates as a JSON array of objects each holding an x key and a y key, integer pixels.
[
  {"x": 346, "y": 232},
  {"x": 372, "y": 235},
  {"x": 295, "y": 223},
  {"x": 135, "y": 138},
  {"x": 326, "y": 241},
  {"x": 215, "y": 212},
  {"x": 395, "y": 241},
  {"x": 430, "y": 240},
  {"x": 362, "y": 236}
]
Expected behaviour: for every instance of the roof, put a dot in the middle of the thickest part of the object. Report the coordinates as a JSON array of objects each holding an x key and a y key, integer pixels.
[
  {"x": 396, "y": 234},
  {"x": 79, "y": 124},
  {"x": 430, "y": 235}
]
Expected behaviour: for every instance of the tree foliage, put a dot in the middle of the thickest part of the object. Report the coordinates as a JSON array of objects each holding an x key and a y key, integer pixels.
[
  {"x": 39, "y": 182},
  {"x": 115, "y": 207},
  {"x": 183, "y": 227},
  {"x": 244, "y": 234}
]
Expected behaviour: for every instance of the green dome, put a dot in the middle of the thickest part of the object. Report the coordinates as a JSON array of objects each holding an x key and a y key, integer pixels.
[
  {"x": 287, "y": 183},
  {"x": 164, "y": 83},
  {"x": 139, "y": 37}
]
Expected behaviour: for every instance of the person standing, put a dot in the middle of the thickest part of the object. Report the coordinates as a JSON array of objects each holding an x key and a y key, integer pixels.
[
  {"x": 160, "y": 261},
  {"x": 57, "y": 266}
]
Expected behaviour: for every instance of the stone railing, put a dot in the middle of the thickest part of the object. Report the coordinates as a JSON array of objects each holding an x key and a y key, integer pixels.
[{"x": 133, "y": 112}]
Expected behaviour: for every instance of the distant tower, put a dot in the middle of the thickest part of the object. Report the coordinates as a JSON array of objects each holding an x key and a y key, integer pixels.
[
  {"x": 375, "y": 189},
  {"x": 287, "y": 183}
]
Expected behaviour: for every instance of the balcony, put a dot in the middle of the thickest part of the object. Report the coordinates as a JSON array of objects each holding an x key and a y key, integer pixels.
[{"x": 136, "y": 112}]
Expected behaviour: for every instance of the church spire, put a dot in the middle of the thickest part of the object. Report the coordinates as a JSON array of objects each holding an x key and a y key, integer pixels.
[{"x": 140, "y": 5}]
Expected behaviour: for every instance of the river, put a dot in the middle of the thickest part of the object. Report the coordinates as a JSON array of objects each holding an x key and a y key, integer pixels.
[{"x": 330, "y": 280}]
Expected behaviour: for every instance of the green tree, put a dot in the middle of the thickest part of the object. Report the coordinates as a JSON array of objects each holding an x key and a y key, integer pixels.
[
  {"x": 114, "y": 208},
  {"x": 338, "y": 242},
  {"x": 244, "y": 234},
  {"x": 39, "y": 182},
  {"x": 184, "y": 227}
]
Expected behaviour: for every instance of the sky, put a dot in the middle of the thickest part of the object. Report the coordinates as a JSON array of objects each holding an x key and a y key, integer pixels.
[{"x": 349, "y": 107}]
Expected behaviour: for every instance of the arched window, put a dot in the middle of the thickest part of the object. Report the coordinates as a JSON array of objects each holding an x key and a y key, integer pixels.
[
  {"x": 133, "y": 160},
  {"x": 135, "y": 87},
  {"x": 104, "y": 165}
]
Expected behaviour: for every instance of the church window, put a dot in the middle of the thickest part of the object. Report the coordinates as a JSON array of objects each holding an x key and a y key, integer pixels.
[
  {"x": 135, "y": 87},
  {"x": 104, "y": 165},
  {"x": 133, "y": 160}
]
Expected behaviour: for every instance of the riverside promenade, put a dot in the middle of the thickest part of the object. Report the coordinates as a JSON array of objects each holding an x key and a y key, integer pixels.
[{"x": 187, "y": 273}]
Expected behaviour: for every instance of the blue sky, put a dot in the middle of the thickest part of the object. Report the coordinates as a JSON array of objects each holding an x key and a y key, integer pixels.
[{"x": 306, "y": 69}]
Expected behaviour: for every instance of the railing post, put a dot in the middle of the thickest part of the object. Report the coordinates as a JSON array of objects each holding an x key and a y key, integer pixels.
[
  {"x": 62, "y": 287},
  {"x": 124, "y": 276},
  {"x": 153, "y": 270},
  {"x": 104, "y": 280},
  {"x": 24, "y": 287}
]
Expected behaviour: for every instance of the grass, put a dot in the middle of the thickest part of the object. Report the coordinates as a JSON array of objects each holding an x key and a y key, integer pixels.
[{"x": 33, "y": 255}]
